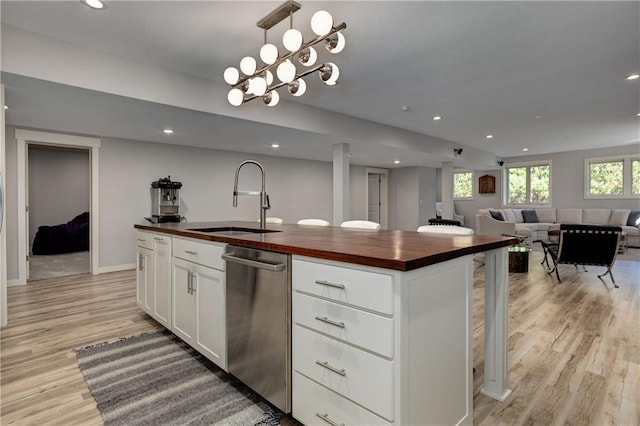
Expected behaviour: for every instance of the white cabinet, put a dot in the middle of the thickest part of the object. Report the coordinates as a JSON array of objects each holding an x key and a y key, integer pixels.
[
  {"x": 199, "y": 298},
  {"x": 144, "y": 271},
  {"x": 161, "y": 309},
  {"x": 373, "y": 346}
]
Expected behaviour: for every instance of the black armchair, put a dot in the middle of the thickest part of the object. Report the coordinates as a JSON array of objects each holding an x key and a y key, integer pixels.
[{"x": 584, "y": 245}]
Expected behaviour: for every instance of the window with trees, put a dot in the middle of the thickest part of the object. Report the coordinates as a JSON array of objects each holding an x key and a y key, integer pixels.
[
  {"x": 463, "y": 184},
  {"x": 528, "y": 184},
  {"x": 612, "y": 177}
]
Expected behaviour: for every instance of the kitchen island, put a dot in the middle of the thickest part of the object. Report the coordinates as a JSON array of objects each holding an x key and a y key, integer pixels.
[{"x": 388, "y": 341}]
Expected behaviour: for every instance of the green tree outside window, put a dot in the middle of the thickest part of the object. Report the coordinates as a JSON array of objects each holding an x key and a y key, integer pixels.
[{"x": 462, "y": 184}]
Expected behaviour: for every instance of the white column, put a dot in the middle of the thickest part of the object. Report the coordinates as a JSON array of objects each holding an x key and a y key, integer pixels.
[
  {"x": 496, "y": 325},
  {"x": 447, "y": 190},
  {"x": 3, "y": 219},
  {"x": 340, "y": 183}
]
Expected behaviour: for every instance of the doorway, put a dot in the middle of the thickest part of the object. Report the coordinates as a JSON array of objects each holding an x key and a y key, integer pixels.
[
  {"x": 58, "y": 211},
  {"x": 377, "y": 196},
  {"x": 54, "y": 140}
]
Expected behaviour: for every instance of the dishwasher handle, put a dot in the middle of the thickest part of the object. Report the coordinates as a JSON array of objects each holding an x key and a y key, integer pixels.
[{"x": 256, "y": 264}]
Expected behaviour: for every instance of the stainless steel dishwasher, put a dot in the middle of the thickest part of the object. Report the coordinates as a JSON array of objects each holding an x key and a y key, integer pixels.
[{"x": 259, "y": 322}]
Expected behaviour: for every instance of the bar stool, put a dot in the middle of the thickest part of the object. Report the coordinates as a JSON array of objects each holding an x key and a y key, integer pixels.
[
  {"x": 362, "y": 224},
  {"x": 313, "y": 222},
  {"x": 446, "y": 229}
]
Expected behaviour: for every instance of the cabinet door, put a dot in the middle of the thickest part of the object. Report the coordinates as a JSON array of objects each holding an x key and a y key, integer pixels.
[
  {"x": 183, "y": 312},
  {"x": 209, "y": 292},
  {"x": 162, "y": 276},
  {"x": 144, "y": 278}
]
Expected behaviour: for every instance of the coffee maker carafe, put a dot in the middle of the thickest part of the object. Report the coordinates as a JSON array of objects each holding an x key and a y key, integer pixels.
[{"x": 165, "y": 200}]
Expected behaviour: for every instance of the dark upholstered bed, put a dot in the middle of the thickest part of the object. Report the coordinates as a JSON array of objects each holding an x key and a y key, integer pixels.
[{"x": 65, "y": 238}]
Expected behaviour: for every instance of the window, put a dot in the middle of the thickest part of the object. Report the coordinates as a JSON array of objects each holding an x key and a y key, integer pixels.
[
  {"x": 612, "y": 177},
  {"x": 463, "y": 185},
  {"x": 528, "y": 183}
]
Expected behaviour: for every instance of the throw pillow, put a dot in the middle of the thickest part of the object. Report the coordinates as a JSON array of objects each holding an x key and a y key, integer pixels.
[
  {"x": 619, "y": 217},
  {"x": 529, "y": 216},
  {"x": 634, "y": 218},
  {"x": 496, "y": 215}
]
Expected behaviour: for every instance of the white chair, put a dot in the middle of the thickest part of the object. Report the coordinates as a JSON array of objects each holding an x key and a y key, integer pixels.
[
  {"x": 458, "y": 217},
  {"x": 275, "y": 220},
  {"x": 314, "y": 222},
  {"x": 446, "y": 229},
  {"x": 362, "y": 224},
  {"x": 486, "y": 225}
]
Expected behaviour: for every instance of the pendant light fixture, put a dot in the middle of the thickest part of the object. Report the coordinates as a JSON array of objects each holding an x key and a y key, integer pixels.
[{"x": 253, "y": 80}]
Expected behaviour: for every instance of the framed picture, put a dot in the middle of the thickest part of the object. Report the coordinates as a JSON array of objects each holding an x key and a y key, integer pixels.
[{"x": 487, "y": 184}]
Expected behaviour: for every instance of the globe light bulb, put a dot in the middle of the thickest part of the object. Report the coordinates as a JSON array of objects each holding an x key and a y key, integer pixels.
[
  {"x": 269, "y": 54},
  {"x": 321, "y": 22},
  {"x": 258, "y": 86},
  {"x": 269, "y": 77},
  {"x": 271, "y": 99},
  {"x": 297, "y": 87},
  {"x": 335, "y": 43},
  {"x": 286, "y": 71},
  {"x": 329, "y": 73},
  {"x": 308, "y": 57},
  {"x": 231, "y": 75},
  {"x": 292, "y": 40},
  {"x": 248, "y": 65},
  {"x": 235, "y": 97}
]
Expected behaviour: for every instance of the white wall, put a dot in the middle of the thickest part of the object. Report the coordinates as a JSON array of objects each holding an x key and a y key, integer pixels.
[
  {"x": 428, "y": 194},
  {"x": 404, "y": 187},
  {"x": 11, "y": 203},
  {"x": 59, "y": 185}
]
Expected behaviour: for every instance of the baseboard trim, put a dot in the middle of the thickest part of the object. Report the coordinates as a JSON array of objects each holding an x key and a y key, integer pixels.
[
  {"x": 16, "y": 282},
  {"x": 116, "y": 268}
]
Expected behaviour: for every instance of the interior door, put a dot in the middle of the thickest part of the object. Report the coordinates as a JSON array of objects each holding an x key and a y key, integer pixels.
[{"x": 373, "y": 204}]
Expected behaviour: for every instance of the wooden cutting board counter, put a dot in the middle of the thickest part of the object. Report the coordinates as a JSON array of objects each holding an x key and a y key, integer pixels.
[{"x": 398, "y": 250}]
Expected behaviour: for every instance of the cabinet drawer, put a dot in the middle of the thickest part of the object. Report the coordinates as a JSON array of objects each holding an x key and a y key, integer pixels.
[
  {"x": 358, "y": 375},
  {"x": 364, "y": 289},
  {"x": 203, "y": 253},
  {"x": 370, "y": 331},
  {"x": 310, "y": 401},
  {"x": 144, "y": 239}
]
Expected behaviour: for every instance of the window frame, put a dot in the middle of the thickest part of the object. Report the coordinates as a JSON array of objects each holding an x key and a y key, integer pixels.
[
  {"x": 473, "y": 185},
  {"x": 626, "y": 177},
  {"x": 528, "y": 165}
]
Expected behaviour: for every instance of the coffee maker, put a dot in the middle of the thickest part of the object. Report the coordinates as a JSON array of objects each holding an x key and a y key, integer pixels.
[{"x": 165, "y": 201}]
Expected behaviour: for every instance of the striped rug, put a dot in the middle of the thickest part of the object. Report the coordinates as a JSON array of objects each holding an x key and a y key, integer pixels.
[{"x": 156, "y": 379}]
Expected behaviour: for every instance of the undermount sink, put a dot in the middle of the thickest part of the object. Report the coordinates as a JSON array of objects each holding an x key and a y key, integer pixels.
[{"x": 232, "y": 230}]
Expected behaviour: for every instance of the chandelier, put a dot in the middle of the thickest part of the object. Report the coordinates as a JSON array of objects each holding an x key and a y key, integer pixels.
[{"x": 252, "y": 82}]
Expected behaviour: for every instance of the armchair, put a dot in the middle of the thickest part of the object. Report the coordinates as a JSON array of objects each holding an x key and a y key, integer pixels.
[
  {"x": 489, "y": 226},
  {"x": 584, "y": 245}
]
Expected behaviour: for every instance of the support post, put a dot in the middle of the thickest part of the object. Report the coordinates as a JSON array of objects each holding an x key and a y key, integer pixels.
[{"x": 340, "y": 183}]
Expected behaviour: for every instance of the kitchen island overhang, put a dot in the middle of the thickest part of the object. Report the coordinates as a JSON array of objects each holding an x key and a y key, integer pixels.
[{"x": 424, "y": 268}]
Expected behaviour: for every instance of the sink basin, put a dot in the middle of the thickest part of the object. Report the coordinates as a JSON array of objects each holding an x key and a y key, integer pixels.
[{"x": 232, "y": 230}]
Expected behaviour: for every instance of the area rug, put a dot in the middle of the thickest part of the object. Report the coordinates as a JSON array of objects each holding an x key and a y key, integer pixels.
[{"x": 156, "y": 379}]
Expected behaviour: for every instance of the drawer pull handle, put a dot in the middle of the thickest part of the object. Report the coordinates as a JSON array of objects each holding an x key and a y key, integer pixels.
[
  {"x": 332, "y": 322},
  {"x": 330, "y": 284},
  {"x": 191, "y": 252},
  {"x": 326, "y": 418},
  {"x": 326, "y": 365},
  {"x": 158, "y": 238},
  {"x": 142, "y": 240}
]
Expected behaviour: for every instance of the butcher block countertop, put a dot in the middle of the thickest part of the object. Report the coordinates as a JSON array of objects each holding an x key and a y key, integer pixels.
[{"x": 398, "y": 250}]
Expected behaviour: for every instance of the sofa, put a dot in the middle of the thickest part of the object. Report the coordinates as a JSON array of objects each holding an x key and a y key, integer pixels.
[{"x": 541, "y": 221}]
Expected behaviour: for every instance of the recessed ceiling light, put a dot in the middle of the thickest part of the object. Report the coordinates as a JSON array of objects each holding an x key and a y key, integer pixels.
[
  {"x": 637, "y": 115},
  {"x": 538, "y": 117},
  {"x": 275, "y": 145},
  {"x": 437, "y": 117},
  {"x": 405, "y": 107},
  {"x": 396, "y": 161},
  {"x": 6, "y": 107},
  {"x": 633, "y": 77},
  {"x": 525, "y": 149},
  {"x": 95, "y": 4},
  {"x": 489, "y": 136},
  {"x": 168, "y": 131}
]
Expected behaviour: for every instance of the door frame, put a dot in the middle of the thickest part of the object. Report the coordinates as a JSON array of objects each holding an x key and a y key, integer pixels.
[
  {"x": 24, "y": 137},
  {"x": 384, "y": 194}
]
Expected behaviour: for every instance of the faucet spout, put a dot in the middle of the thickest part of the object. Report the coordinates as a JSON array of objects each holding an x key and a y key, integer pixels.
[{"x": 264, "y": 198}]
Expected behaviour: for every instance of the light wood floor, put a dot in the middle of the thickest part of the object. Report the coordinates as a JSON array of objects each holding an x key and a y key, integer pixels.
[{"x": 574, "y": 347}]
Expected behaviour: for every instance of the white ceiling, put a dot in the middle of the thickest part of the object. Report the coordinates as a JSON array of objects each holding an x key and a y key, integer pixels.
[{"x": 486, "y": 67}]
